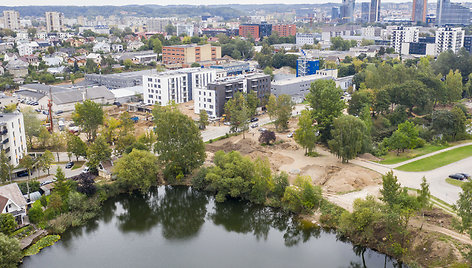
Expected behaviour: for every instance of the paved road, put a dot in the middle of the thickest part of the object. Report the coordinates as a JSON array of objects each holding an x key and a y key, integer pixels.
[{"x": 436, "y": 177}]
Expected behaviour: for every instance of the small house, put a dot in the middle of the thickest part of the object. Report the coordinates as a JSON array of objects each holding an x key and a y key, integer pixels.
[{"x": 13, "y": 202}]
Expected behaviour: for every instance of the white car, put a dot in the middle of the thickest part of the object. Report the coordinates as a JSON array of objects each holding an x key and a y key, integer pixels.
[
  {"x": 85, "y": 170},
  {"x": 290, "y": 135}
]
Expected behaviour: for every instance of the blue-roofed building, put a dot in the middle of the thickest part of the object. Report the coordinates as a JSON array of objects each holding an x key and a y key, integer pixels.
[{"x": 307, "y": 66}]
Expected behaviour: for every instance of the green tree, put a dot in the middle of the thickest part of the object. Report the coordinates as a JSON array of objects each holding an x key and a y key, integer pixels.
[
  {"x": 252, "y": 102},
  {"x": 44, "y": 137},
  {"x": 272, "y": 106},
  {"x": 5, "y": 167},
  {"x": 326, "y": 103},
  {"x": 97, "y": 152},
  {"x": 179, "y": 143},
  {"x": 239, "y": 113},
  {"x": 62, "y": 186},
  {"x": 89, "y": 116},
  {"x": 398, "y": 141},
  {"x": 10, "y": 252},
  {"x": 46, "y": 160},
  {"x": 349, "y": 134},
  {"x": 464, "y": 209},
  {"x": 391, "y": 189},
  {"x": 137, "y": 170},
  {"x": 203, "y": 119},
  {"x": 283, "y": 112},
  {"x": 303, "y": 196},
  {"x": 7, "y": 223},
  {"x": 306, "y": 135},
  {"x": 424, "y": 198},
  {"x": 453, "y": 85},
  {"x": 76, "y": 146}
]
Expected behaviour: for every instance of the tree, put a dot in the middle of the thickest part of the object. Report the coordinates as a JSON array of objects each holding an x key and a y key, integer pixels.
[
  {"x": 272, "y": 106},
  {"x": 203, "y": 119},
  {"x": 89, "y": 116},
  {"x": 398, "y": 141},
  {"x": 252, "y": 102},
  {"x": 391, "y": 189},
  {"x": 27, "y": 162},
  {"x": 62, "y": 186},
  {"x": 325, "y": 100},
  {"x": 137, "y": 170},
  {"x": 7, "y": 223},
  {"x": 424, "y": 198},
  {"x": 464, "y": 209},
  {"x": 97, "y": 152},
  {"x": 405, "y": 137},
  {"x": 10, "y": 252},
  {"x": 86, "y": 185},
  {"x": 238, "y": 111},
  {"x": 283, "y": 112},
  {"x": 453, "y": 85},
  {"x": 303, "y": 196},
  {"x": 46, "y": 160},
  {"x": 76, "y": 146},
  {"x": 5, "y": 167},
  {"x": 451, "y": 124},
  {"x": 179, "y": 143},
  {"x": 349, "y": 134},
  {"x": 195, "y": 65},
  {"x": 44, "y": 137},
  {"x": 267, "y": 137},
  {"x": 306, "y": 135}
]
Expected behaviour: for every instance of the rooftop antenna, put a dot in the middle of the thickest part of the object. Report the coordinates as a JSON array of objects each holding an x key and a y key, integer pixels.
[{"x": 50, "y": 110}]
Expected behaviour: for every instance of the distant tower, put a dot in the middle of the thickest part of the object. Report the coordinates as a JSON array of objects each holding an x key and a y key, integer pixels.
[
  {"x": 347, "y": 10},
  {"x": 374, "y": 10},
  {"x": 419, "y": 10},
  {"x": 365, "y": 12}
]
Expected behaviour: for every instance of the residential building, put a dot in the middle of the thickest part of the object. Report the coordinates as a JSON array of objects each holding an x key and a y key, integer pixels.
[
  {"x": 468, "y": 43},
  {"x": 215, "y": 31},
  {"x": 11, "y": 20},
  {"x": 25, "y": 49},
  {"x": 448, "y": 38},
  {"x": 54, "y": 22},
  {"x": 156, "y": 24},
  {"x": 188, "y": 54},
  {"x": 175, "y": 86},
  {"x": 118, "y": 80},
  {"x": 374, "y": 11},
  {"x": 285, "y": 30},
  {"x": 213, "y": 98},
  {"x": 13, "y": 137},
  {"x": 17, "y": 68},
  {"x": 365, "y": 12},
  {"x": 419, "y": 49},
  {"x": 6, "y": 100},
  {"x": 117, "y": 47},
  {"x": 448, "y": 13},
  {"x": 307, "y": 66},
  {"x": 13, "y": 202},
  {"x": 102, "y": 47},
  {"x": 257, "y": 31},
  {"x": 233, "y": 68},
  {"x": 420, "y": 8},
  {"x": 187, "y": 29},
  {"x": 347, "y": 10},
  {"x": 401, "y": 34},
  {"x": 305, "y": 39}
]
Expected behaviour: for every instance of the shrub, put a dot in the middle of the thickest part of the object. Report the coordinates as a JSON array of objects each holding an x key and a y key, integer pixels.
[
  {"x": 267, "y": 137},
  {"x": 7, "y": 223},
  {"x": 46, "y": 241},
  {"x": 35, "y": 213}
]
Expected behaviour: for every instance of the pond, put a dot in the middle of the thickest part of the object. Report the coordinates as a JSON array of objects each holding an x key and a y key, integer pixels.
[{"x": 182, "y": 227}]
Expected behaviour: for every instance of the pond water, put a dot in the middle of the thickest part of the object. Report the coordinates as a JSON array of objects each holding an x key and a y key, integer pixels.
[{"x": 181, "y": 227}]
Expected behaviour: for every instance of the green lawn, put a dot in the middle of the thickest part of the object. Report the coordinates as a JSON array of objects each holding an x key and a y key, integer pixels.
[
  {"x": 392, "y": 158},
  {"x": 455, "y": 182},
  {"x": 78, "y": 164},
  {"x": 438, "y": 160}
]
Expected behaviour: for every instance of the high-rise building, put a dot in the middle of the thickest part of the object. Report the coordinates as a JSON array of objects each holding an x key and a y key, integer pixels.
[
  {"x": 54, "y": 21},
  {"x": 419, "y": 10},
  {"x": 401, "y": 35},
  {"x": 448, "y": 38},
  {"x": 335, "y": 13},
  {"x": 347, "y": 10},
  {"x": 374, "y": 11},
  {"x": 365, "y": 12},
  {"x": 156, "y": 24},
  {"x": 12, "y": 132},
  {"x": 11, "y": 19},
  {"x": 448, "y": 13}
]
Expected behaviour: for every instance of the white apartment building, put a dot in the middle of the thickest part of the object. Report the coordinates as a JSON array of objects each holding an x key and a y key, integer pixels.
[
  {"x": 13, "y": 137},
  {"x": 371, "y": 31},
  {"x": 448, "y": 38},
  {"x": 175, "y": 86},
  {"x": 187, "y": 29},
  {"x": 11, "y": 20},
  {"x": 25, "y": 49},
  {"x": 54, "y": 21},
  {"x": 402, "y": 35},
  {"x": 305, "y": 39}
]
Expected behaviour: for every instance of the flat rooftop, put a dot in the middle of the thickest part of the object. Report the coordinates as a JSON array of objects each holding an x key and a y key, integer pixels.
[{"x": 300, "y": 79}]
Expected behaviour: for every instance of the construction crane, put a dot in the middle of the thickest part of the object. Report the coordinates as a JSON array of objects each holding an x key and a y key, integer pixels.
[{"x": 51, "y": 128}]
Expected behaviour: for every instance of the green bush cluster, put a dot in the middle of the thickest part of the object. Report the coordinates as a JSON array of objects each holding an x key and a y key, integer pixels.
[{"x": 46, "y": 241}]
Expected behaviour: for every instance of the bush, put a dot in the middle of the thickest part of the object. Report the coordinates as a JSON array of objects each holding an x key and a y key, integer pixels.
[
  {"x": 35, "y": 213},
  {"x": 10, "y": 251},
  {"x": 7, "y": 223},
  {"x": 302, "y": 196},
  {"x": 33, "y": 186},
  {"x": 46, "y": 241}
]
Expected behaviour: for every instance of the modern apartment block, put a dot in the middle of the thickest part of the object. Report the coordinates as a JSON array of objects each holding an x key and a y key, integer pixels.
[
  {"x": 402, "y": 35},
  {"x": 448, "y": 13},
  {"x": 448, "y": 38},
  {"x": 420, "y": 8},
  {"x": 188, "y": 54},
  {"x": 12, "y": 131},
  {"x": 213, "y": 98},
  {"x": 285, "y": 30},
  {"x": 176, "y": 86},
  {"x": 54, "y": 22},
  {"x": 255, "y": 30},
  {"x": 187, "y": 29},
  {"x": 11, "y": 19},
  {"x": 156, "y": 25},
  {"x": 305, "y": 39}
]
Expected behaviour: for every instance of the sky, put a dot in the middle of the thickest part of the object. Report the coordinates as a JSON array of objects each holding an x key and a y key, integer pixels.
[{"x": 163, "y": 2}]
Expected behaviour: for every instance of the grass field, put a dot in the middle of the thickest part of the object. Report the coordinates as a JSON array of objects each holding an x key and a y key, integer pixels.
[
  {"x": 438, "y": 160},
  {"x": 455, "y": 182},
  {"x": 392, "y": 157},
  {"x": 78, "y": 164}
]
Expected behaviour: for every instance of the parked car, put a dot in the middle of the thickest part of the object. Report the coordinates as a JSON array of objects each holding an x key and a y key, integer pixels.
[
  {"x": 69, "y": 165},
  {"x": 86, "y": 170},
  {"x": 262, "y": 129},
  {"x": 255, "y": 119},
  {"x": 290, "y": 135},
  {"x": 227, "y": 123},
  {"x": 254, "y": 125},
  {"x": 467, "y": 176},
  {"x": 59, "y": 112},
  {"x": 22, "y": 173},
  {"x": 457, "y": 176},
  {"x": 45, "y": 182}
]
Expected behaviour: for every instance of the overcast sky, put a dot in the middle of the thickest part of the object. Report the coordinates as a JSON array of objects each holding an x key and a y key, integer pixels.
[{"x": 162, "y": 2}]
